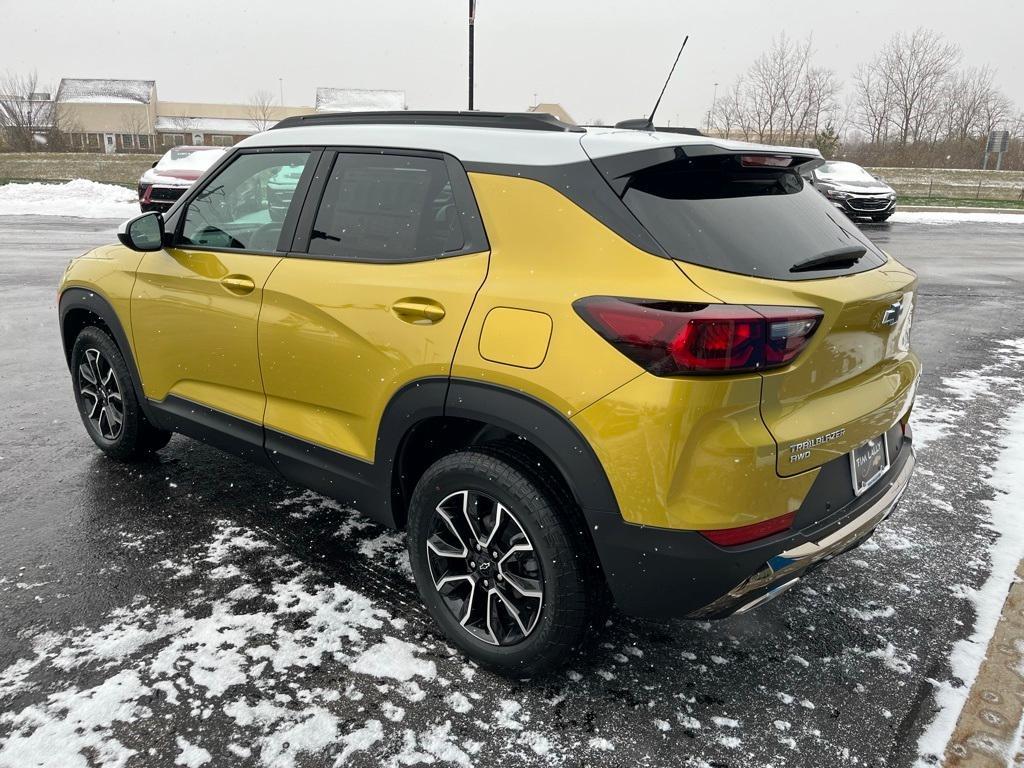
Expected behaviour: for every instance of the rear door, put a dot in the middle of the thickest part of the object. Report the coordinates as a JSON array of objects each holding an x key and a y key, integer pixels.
[
  {"x": 388, "y": 257},
  {"x": 749, "y": 230}
]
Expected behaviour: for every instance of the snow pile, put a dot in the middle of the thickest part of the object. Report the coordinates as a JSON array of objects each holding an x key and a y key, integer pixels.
[
  {"x": 956, "y": 217},
  {"x": 237, "y": 653},
  {"x": 1007, "y": 480},
  {"x": 80, "y": 198}
]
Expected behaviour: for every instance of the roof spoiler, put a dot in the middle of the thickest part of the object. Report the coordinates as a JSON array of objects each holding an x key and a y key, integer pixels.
[{"x": 617, "y": 169}]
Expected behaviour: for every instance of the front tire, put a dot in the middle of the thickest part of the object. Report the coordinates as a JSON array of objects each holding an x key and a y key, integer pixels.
[
  {"x": 499, "y": 554},
  {"x": 107, "y": 401}
]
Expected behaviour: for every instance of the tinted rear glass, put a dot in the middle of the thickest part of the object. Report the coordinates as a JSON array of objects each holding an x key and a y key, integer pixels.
[
  {"x": 386, "y": 207},
  {"x": 754, "y": 221}
]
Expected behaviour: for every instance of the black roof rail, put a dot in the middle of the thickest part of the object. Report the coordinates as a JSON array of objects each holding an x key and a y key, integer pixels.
[{"x": 525, "y": 121}]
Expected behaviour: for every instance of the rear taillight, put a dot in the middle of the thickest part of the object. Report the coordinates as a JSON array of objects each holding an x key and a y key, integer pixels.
[
  {"x": 731, "y": 537},
  {"x": 671, "y": 338}
]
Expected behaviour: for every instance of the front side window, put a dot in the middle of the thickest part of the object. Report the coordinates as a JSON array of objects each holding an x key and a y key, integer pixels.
[
  {"x": 386, "y": 208},
  {"x": 244, "y": 206}
]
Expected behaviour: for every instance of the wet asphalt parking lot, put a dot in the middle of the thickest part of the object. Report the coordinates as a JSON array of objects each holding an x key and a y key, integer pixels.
[{"x": 196, "y": 610}]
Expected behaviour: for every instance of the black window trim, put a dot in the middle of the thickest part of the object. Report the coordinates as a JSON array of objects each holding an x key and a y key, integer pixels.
[
  {"x": 473, "y": 232},
  {"x": 175, "y": 220}
]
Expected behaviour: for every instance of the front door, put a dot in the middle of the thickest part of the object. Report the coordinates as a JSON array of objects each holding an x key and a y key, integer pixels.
[
  {"x": 196, "y": 304},
  {"x": 109, "y": 143},
  {"x": 377, "y": 301}
]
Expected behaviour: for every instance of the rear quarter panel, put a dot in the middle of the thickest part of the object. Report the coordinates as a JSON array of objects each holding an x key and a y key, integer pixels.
[{"x": 546, "y": 252}]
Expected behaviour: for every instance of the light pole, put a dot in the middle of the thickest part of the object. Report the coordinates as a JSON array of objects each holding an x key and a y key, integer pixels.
[
  {"x": 714, "y": 101},
  {"x": 472, "y": 20},
  {"x": 280, "y": 86}
]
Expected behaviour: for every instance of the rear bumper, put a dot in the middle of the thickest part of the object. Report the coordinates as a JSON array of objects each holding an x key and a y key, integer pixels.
[{"x": 662, "y": 573}]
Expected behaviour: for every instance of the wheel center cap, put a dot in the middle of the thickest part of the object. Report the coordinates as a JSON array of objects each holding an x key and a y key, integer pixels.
[{"x": 485, "y": 567}]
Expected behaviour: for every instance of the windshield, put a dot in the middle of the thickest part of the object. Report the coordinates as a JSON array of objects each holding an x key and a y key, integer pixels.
[
  {"x": 843, "y": 172},
  {"x": 753, "y": 221}
]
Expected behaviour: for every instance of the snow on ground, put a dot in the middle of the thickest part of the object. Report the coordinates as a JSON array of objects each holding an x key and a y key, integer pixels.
[
  {"x": 955, "y": 217},
  {"x": 80, "y": 198},
  {"x": 252, "y": 646},
  {"x": 1006, "y": 478}
]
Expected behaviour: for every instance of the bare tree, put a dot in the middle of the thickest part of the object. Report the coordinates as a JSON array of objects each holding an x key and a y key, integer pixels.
[
  {"x": 261, "y": 110},
  {"x": 133, "y": 124},
  {"x": 903, "y": 89},
  {"x": 783, "y": 97},
  {"x": 26, "y": 121}
]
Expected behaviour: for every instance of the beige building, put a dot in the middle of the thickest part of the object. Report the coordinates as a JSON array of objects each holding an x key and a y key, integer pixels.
[
  {"x": 127, "y": 116},
  {"x": 555, "y": 109},
  {"x": 116, "y": 116}
]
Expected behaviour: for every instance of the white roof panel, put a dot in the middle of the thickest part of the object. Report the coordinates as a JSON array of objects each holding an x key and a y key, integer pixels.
[{"x": 504, "y": 145}]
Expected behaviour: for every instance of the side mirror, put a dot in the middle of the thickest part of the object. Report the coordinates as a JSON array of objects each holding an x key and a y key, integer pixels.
[{"x": 143, "y": 233}]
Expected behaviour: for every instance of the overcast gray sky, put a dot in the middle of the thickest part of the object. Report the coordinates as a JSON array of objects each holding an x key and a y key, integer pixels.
[{"x": 599, "y": 58}]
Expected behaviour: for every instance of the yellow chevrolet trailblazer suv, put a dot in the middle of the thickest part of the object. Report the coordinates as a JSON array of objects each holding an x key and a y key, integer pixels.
[{"x": 579, "y": 366}]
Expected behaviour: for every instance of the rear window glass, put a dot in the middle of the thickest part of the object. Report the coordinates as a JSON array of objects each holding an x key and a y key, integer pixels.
[
  {"x": 754, "y": 221},
  {"x": 386, "y": 208}
]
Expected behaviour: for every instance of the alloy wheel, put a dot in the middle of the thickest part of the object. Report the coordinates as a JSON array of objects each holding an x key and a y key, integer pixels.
[
  {"x": 101, "y": 394},
  {"x": 485, "y": 568}
]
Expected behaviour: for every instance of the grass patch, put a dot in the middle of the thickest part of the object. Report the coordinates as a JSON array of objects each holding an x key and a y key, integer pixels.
[
  {"x": 65, "y": 166},
  {"x": 959, "y": 202}
]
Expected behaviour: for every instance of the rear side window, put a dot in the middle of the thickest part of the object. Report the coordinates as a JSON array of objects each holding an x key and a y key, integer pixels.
[
  {"x": 378, "y": 207},
  {"x": 754, "y": 221}
]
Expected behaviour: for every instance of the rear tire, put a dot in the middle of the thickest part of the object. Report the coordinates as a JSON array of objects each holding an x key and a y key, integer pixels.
[
  {"x": 107, "y": 401},
  {"x": 536, "y": 545}
]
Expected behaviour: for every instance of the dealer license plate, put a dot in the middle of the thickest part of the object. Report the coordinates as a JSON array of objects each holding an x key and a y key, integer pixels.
[{"x": 868, "y": 462}]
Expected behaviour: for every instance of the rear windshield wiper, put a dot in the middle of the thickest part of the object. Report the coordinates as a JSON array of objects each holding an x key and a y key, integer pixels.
[{"x": 846, "y": 256}]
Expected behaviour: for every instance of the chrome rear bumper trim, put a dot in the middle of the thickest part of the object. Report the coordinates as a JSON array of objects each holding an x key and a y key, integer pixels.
[{"x": 789, "y": 565}]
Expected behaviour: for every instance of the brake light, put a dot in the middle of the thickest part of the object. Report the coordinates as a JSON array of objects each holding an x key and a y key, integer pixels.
[
  {"x": 672, "y": 338},
  {"x": 765, "y": 161},
  {"x": 730, "y": 537}
]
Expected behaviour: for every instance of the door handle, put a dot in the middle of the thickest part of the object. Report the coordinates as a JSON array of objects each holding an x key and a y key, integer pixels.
[
  {"x": 238, "y": 284},
  {"x": 417, "y": 310}
]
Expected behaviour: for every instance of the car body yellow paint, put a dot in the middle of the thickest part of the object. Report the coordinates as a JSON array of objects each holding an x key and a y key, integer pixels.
[
  {"x": 545, "y": 253},
  {"x": 338, "y": 339},
  {"x": 108, "y": 271},
  {"x": 516, "y": 337},
  {"x": 334, "y": 351},
  {"x": 690, "y": 453},
  {"x": 195, "y": 337},
  {"x": 855, "y": 374}
]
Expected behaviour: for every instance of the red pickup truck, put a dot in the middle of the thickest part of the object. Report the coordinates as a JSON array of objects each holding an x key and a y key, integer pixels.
[{"x": 174, "y": 173}]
